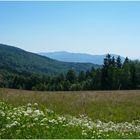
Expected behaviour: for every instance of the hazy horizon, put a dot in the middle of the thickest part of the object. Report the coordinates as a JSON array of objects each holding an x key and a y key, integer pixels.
[{"x": 80, "y": 27}]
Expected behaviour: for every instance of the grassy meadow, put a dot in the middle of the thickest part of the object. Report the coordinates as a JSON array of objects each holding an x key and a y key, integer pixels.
[
  {"x": 83, "y": 114},
  {"x": 99, "y": 105}
]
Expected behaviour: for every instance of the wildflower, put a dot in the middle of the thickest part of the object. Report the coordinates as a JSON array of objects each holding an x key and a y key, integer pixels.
[
  {"x": 53, "y": 121},
  {"x": 61, "y": 119},
  {"x": 84, "y": 133},
  {"x": 38, "y": 113},
  {"x": 35, "y": 104},
  {"x": 29, "y": 104},
  {"x": 44, "y": 120},
  {"x": 35, "y": 119},
  {"x": 2, "y": 113},
  {"x": 8, "y": 118},
  {"x": 29, "y": 110}
]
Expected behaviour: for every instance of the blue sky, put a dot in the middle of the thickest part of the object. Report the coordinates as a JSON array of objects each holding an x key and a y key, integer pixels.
[{"x": 86, "y": 27}]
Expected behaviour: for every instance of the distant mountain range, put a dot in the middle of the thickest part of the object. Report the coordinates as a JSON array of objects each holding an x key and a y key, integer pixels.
[
  {"x": 20, "y": 60},
  {"x": 77, "y": 57}
]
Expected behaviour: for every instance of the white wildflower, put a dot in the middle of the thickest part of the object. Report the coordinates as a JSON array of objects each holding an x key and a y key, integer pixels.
[
  {"x": 84, "y": 133},
  {"x": 44, "y": 120},
  {"x": 29, "y": 104},
  {"x": 35, "y": 119},
  {"x": 2, "y": 113},
  {"x": 35, "y": 104},
  {"x": 29, "y": 110}
]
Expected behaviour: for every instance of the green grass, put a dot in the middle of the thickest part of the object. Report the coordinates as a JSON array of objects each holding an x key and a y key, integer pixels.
[
  {"x": 81, "y": 115},
  {"x": 116, "y": 106},
  {"x": 31, "y": 121}
]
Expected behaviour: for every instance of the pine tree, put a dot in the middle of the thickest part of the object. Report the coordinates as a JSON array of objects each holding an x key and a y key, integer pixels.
[
  {"x": 109, "y": 59},
  {"x": 133, "y": 76},
  {"x": 126, "y": 61},
  {"x": 71, "y": 76},
  {"x": 118, "y": 62},
  {"x": 105, "y": 75},
  {"x": 81, "y": 76},
  {"x": 113, "y": 61}
]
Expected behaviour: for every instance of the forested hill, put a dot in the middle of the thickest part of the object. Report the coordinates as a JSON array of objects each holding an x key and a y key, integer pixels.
[
  {"x": 20, "y": 60},
  {"x": 24, "y": 70}
]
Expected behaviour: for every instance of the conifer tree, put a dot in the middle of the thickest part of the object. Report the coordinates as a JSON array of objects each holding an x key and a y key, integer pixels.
[{"x": 118, "y": 62}]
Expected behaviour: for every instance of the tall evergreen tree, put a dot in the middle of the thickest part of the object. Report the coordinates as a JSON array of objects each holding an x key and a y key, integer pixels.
[
  {"x": 126, "y": 75},
  {"x": 113, "y": 61},
  {"x": 71, "y": 76},
  {"x": 118, "y": 62},
  {"x": 81, "y": 76},
  {"x": 105, "y": 75},
  {"x": 126, "y": 61},
  {"x": 133, "y": 76},
  {"x": 109, "y": 59}
]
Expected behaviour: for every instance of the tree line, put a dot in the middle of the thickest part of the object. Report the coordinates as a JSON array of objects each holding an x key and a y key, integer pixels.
[{"x": 113, "y": 75}]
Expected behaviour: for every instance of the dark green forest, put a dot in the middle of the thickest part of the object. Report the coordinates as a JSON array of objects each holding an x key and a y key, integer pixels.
[{"x": 113, "y": 75}]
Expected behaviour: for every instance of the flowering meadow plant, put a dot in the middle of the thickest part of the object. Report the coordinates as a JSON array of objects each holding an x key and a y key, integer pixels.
[{"x": 31, "y": 121}]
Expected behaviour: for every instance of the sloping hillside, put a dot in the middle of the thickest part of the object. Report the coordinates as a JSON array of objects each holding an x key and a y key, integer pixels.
[{"x": 20, "y": 60}]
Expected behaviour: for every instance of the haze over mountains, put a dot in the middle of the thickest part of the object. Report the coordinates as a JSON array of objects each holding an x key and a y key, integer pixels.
[
  {"x": 77, "y": 57},
  {"x": 21, "y": 60}
]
